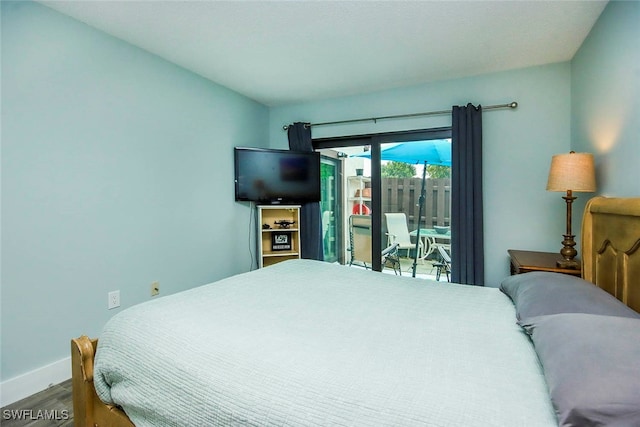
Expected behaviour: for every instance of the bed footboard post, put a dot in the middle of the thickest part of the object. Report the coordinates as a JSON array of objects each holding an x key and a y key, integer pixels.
[
  {"x": 82, "y": 352},
  {"x": 88, "y": 409}
]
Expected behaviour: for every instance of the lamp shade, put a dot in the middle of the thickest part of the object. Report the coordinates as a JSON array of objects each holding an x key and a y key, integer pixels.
[{"x": 572, "y": 171}]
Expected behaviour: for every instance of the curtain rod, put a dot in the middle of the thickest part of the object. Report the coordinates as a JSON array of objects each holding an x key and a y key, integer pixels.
[{"x": 512, "y": 105}]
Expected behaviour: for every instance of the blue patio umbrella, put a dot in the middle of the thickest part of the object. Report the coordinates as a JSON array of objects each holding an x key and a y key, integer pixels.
[
  {"x": 432, "y": 152},
  {"x": 428, "y": 152}
]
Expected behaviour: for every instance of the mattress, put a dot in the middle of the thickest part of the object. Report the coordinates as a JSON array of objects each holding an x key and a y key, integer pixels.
[{"x": 307, "y": 343}]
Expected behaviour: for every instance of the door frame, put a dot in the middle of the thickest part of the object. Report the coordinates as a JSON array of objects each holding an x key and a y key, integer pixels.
[{"x": 375, "y": 140}]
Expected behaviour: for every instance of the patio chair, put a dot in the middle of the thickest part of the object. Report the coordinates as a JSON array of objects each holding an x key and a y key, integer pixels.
[
  {"x": 360, "y": 239},
  {"x": 444, "y": 264},
  {"x": 360, "y": 245},
  {"x": 398, "y": 232},
  {"x": 390, "y": 258}
]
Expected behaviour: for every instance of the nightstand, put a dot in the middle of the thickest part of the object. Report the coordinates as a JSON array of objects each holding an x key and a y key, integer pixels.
[{"x": 527, "y": 261}]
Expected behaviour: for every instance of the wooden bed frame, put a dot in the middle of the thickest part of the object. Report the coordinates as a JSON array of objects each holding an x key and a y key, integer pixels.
[
  {"x": 610, "y": 256},
  {"x": 88, "y": 409},
  {"x": 611, "y": 247}
]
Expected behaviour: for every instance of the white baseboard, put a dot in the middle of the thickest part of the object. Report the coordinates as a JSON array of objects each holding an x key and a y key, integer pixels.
[{"x": 32, "y": 382}]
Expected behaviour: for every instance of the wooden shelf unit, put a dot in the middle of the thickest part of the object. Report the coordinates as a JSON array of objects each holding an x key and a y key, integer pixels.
[{"x": 269, "y": 214}]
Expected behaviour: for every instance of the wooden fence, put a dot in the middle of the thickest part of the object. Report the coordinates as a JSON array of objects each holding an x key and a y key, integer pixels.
[{"x": 401, "y": 195}]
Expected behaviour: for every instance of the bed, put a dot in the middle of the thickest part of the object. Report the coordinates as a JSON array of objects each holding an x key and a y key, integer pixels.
[{"x": 304, "y": 343}]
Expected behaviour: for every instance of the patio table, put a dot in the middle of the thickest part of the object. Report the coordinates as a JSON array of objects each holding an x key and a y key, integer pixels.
[{"x": 429, "y": 237}]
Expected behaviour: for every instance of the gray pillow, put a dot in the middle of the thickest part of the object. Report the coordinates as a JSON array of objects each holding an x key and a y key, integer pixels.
[
  {"x": 539, "y": 293},
  {"x": 591, "y": 365}
]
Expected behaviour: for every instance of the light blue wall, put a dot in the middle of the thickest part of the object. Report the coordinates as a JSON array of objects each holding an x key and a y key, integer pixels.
[
  {"x": 605, "y": 89},
  {"x": 518, "y": 144},
  {"x": 116, "y": 165},
  {"x": 117, "y": 170}
]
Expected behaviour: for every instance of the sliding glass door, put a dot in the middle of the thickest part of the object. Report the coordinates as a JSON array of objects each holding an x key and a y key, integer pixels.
[
  {"x": 331, "y": 207},
  {"x": 382, "y": 196},
  {"x": 416, "y": 202}
]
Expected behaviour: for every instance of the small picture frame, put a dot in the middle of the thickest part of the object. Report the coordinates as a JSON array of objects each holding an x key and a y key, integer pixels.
[{"x": 281, "y": 241}]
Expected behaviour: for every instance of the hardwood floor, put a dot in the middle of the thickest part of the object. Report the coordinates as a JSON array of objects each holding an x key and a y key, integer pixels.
[{"x": 52, "y": 407}]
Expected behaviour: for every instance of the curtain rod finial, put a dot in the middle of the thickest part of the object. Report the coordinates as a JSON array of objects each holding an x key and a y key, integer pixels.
[{"x": 513, "y": 105}]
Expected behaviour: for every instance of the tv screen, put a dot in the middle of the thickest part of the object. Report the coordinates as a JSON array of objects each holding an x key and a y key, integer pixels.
[{"x": 276, "y": 176}]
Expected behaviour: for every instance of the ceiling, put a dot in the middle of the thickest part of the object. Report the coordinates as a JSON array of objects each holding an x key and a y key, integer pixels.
[{"x": 284, "y": 52}]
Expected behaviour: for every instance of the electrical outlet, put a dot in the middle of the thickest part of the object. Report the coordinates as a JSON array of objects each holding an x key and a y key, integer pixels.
[
  {"x": 114, "y": 299},
  {"x": 155, "y": 288}
]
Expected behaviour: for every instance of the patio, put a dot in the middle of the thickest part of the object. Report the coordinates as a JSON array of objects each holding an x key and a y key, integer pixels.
[
  {"x": 424, "y": 269},
  {"x": 399, "y": 194}
]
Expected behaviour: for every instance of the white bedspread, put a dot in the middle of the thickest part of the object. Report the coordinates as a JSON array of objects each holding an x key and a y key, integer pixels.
[{"x": 305, "y": 343}]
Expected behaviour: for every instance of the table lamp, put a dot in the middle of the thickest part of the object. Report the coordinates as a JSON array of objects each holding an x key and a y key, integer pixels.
[{"x": 571, "y": 172}]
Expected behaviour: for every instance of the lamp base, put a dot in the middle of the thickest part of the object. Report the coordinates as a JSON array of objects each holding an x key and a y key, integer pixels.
[{"x": 568, "y": 253}]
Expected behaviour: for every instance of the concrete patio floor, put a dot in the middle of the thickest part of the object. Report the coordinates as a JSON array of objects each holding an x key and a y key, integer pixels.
[{"x": 424, "y": 269}]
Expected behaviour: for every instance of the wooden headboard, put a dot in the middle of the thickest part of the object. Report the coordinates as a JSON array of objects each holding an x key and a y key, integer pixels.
[{"x": 611, "y": 247}]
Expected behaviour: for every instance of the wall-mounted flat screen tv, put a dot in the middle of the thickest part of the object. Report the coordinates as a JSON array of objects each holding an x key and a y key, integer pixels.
[{"x": 269, "y": 176}]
